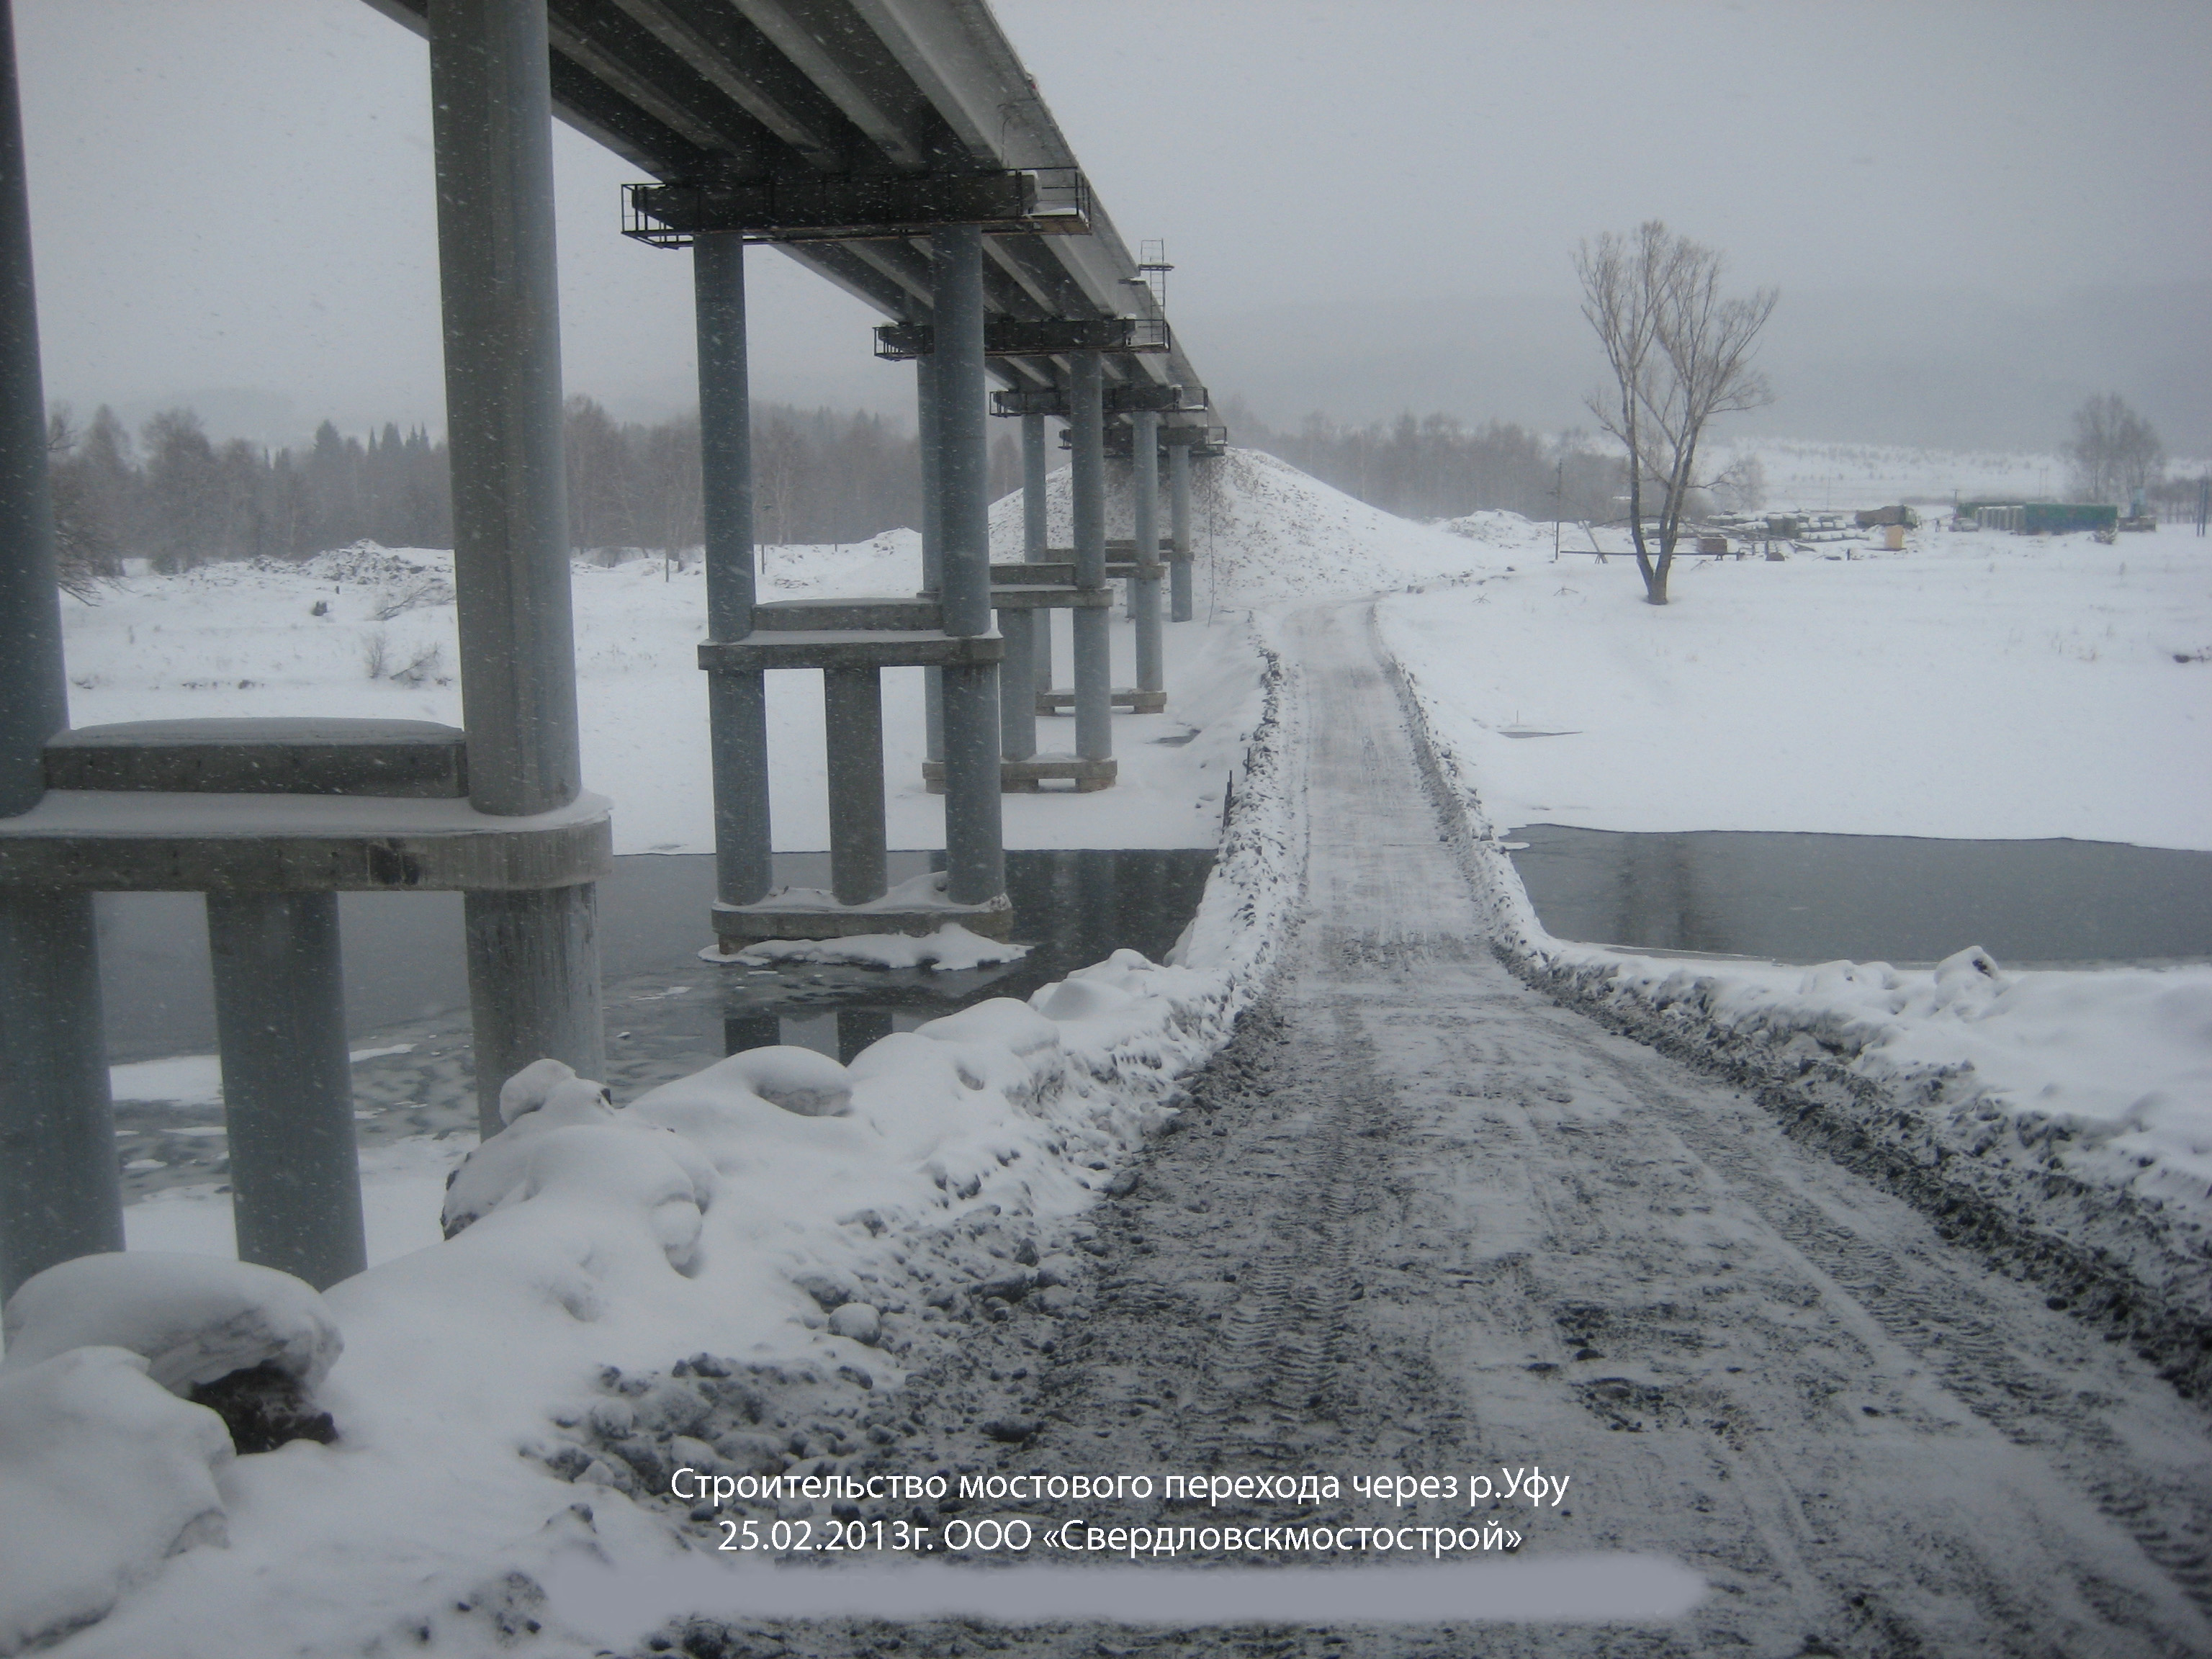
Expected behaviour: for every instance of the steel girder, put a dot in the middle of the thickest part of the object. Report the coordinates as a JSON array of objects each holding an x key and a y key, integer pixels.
[{"x": 691, "y": 91}]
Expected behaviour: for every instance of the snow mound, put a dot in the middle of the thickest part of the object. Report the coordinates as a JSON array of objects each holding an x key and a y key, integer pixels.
[
  {"x": 510, "y": 1166},
  {"x": 104, "y": 1473},
  {"x": 797, "y": 1080},
  {"x": 191, "y": 1318},
  {"x": 529, "y": 1088},
  {"x": 1496, "y": 528},
  {"x": 1266, "y": 531}
]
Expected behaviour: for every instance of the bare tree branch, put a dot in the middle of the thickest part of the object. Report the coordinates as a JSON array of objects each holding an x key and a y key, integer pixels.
[{"x": 1679, "y": 352}]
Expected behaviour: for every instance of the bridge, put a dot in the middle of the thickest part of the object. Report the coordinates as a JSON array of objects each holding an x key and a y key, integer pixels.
[{"x": 896, "y": 147}]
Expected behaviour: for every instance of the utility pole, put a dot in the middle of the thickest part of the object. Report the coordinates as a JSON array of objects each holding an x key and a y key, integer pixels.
[{"x": 1559, "y": 504}]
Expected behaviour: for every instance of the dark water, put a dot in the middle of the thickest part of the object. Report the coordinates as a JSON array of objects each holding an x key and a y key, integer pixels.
[
  {"x": 1890, "y": 898},
  {"x": 403, "y": 957}
]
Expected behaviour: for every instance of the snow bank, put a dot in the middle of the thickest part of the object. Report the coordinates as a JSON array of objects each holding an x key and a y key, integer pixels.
[
  {"x": 192, "y": 1318},
  {"x": 1262, "y": 530},
  {"x": 776, "y": 1233},
  {"x": 103, "y": 1473}
]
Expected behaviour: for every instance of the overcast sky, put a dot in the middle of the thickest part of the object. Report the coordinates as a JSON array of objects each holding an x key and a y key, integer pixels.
[{"x": 235, "y": 194}]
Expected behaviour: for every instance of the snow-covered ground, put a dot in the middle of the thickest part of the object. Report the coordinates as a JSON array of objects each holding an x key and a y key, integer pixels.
[
  {"x": 1842, "y": 477},
  {"x": 491, "y": 1381},
  {"x": 1973, "y": 686},
  {"x": 244, "y": 639}
]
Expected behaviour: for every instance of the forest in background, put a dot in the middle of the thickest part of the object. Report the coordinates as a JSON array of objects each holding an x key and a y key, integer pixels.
[{"x": 171, "y": 495}]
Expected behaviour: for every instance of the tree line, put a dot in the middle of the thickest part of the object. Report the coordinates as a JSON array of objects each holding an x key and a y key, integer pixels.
[
  {"x": 171, "y": 495},
  {"x": 174, "y": 496},
  {"x": 1437, "y": 466}
]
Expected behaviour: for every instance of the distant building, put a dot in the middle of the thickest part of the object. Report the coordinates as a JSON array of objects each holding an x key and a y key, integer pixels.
[{"x": 2041, "y": 518}]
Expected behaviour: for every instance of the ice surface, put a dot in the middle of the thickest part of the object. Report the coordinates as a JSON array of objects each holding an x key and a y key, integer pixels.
[{"x": 195, "y": 1079}]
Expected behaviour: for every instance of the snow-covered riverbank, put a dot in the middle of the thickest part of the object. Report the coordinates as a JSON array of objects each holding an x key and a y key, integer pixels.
[
  {"x": 1973, "y": 686},
  {"x": 676, "y": 1265}
]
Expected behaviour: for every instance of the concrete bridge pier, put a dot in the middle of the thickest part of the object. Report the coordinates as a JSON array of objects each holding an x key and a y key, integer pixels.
[
  {"x": 1035, "y": 540},
  {"x": 60, "y": 1195},
  {"x": 853, "y": 707},
  {"x": 533, "y": 956},
  {"x": 1179, "y": 582},
  {"x": 1094, "y": 719},
  {"x": 927, "y": 416},
  {"x": 1144, "y": 585},
  {"x": 286, "y": 1083},
  {"x": 1018, "y": 681},
  {"x": 1027, "y": 633},
  {"x": 975, "y": 856},
  {"x": 736, "y": 703}
]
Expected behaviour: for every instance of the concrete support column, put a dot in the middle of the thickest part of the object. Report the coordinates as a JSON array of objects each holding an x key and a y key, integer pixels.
[
  {"x": 737, "y": 703},
  {"x": 286, "y": 1084},
  {"x": 1028, "y": 667},
  {"x": 533, "y": 957},
  {"x": 1094, "y": 715},
  {"x": 533, "y": 986},
  {"x": 1017, "y": 679},
  {"x": 59, "y": 1194},
  {"x": 932, "y": 540},
  {"x": 1179, "y": 583},
  {"x": 1035, "y": 538},
  {"x": 974, "y": 855},
  {"x": 859, "y": 1028},
  {"x": 853, "y": 720},
  {"x": 1129, "y": 586},
  {"x": 1144, "y": 591},
  {"x": 750, "y": 1030}
]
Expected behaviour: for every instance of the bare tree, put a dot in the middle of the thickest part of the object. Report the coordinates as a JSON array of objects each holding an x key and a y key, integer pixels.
[
  {"x": 2115, "y": 452},
  {"x": 1741, "y": 486},
  {"x": 1681, "y": 354},
  {"x": 86, "y": 550}
]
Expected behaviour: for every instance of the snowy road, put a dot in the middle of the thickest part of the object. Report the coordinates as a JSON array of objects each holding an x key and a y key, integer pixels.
[{"x": 1427, "y": 1221}]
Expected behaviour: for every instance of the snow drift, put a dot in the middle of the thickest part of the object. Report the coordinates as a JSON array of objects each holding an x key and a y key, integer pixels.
[{"x": 1263, "y": 531}]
